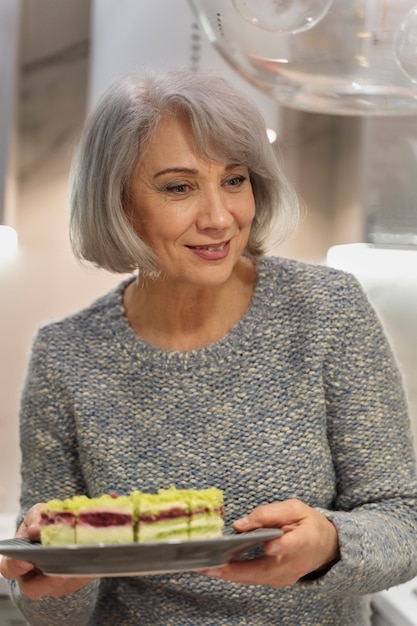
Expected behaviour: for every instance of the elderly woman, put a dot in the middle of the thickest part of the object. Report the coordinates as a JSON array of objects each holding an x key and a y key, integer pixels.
[{"x": 214, "y": 365}]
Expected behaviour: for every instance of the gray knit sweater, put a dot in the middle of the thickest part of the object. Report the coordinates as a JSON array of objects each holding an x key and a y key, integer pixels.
[{"x": 301, "y": 399}]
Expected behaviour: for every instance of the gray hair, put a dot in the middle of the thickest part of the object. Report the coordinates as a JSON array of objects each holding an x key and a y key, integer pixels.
[{"x": 226, "y": 125}]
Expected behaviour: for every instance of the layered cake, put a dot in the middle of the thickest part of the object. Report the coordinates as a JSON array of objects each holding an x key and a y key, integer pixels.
[
  {"x": 170, "y": 514},
  {"x": 161, "y": 516},
  {"x": 180, "y": 514},
  {"x": 58, "y": 523},
  {"x": 107, "y": 519},
  {"x": 206, "y": 513}
]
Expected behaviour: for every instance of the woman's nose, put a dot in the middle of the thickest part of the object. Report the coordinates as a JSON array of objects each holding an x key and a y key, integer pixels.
[{"x": 214, "y": 212}]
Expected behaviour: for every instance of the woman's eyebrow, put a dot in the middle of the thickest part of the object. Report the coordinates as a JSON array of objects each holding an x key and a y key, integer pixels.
[
  {"x": 176, "y": 170},
  {"x": 188, "y": 170},
  {"x": 232, "y": 166}
]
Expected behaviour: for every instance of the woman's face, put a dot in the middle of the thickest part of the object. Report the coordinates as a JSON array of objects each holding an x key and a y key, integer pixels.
[{"x": 194, "y": 214}]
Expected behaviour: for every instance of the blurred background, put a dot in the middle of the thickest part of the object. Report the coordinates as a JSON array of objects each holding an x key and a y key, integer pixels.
[{"x": 355, "y": 174}]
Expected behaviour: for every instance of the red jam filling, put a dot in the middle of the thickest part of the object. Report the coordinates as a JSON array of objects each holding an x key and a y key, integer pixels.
[
  {"x": 60, "y": 517},
  {"x": 174, "y": 513},
  {"x": 105, "y": 518}
]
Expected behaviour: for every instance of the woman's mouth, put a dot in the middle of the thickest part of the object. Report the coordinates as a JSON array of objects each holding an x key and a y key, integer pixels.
[
  {"x": 211, "y": 251},
  {"x": 211, "y": 248}
]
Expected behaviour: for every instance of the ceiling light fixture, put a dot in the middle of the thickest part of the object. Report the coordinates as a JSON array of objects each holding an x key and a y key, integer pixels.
[{"x": 347, "y": 58}]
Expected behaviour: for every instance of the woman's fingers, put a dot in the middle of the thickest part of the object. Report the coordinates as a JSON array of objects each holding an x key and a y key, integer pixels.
[
  {"x": 32, "y": 582},
  {"x": 268, "y": 571},
  {"x": 275, "y": 515},
  {"x": 309, "y": 543},
  {"x": 30, "y": 527},
  {"x": 12, "y": 568}
]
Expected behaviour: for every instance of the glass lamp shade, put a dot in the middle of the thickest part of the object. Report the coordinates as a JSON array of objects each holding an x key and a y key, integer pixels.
[
  {"x": 348, "y": 57},
  {"x": 405, "y": 44}
]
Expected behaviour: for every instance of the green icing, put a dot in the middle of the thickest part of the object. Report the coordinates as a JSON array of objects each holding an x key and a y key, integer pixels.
[
  {"x": 205, "y": 524},
  {"x": 60, "y": 505},
  {"x": 190, "y": 499},
  {"x": 105, "y": 502},
  {"x": 152, "y": 503},
  {"x": 77, "y": 503},
  {"x": 211, "y": 498}
]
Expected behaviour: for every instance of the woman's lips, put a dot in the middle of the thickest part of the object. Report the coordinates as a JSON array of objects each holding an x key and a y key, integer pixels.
[{"x": 212, "y": 251}]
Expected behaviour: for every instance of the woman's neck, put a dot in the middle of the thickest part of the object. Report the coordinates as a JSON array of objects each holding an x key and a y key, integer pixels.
[{"x": 172, "y": 316}]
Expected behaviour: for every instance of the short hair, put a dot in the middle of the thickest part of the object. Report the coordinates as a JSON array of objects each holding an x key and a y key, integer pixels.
[{"x": 227, "y": 126}]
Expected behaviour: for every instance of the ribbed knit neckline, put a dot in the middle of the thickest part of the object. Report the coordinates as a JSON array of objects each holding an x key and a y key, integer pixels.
[{"x": 222, "y": 348}]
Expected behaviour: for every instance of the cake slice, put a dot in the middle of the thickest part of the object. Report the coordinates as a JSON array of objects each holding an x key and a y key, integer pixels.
[
  {"x": 180, "y": 514},
  {"x": 205, "y": 513},
  {"x": 108, "y": 519},
  {"x": 170, "y": 514},
  {"x": 58, "y": 523},
  {"x": 162, "y": 516}
]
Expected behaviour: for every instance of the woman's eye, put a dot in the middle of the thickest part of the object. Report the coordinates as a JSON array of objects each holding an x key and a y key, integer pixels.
[
  {"x": 236, "y": 181},
  {"x": 179, "y": 189}
]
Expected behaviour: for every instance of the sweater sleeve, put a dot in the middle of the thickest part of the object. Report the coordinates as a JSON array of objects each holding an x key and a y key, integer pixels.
[
  {"x": 50, "y": 465},
  {"x": 75, "y": 608},
  {"x": 369, "y": 432}
]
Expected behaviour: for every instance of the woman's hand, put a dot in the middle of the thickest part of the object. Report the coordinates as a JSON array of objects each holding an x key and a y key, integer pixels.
[
  {"x": 32, "y": 582},
  {"x": 309, "y": 544}
]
